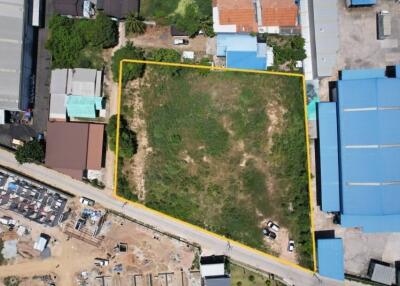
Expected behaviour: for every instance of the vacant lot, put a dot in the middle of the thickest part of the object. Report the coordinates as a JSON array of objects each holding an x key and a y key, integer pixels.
[
  {"x": 224, "y": 151},
  {"x": 241, "y": 276}
]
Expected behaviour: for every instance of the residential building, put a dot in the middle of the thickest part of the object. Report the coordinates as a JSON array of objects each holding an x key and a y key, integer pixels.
[
  {"x": 41, "y": 242},
  {"x": 254, "y": 16},
  {"x": 213, "y": 271},
  {"x": 244, "y": 52},
  {"x": 359, "y": 151},
  {"x": 16, "y": 60},
  {"x": 77, "y": 94},
  {"x": 74, "y": 148},
  {"x": 331, "y": 258},
  {"x": 118, "y": 8}
]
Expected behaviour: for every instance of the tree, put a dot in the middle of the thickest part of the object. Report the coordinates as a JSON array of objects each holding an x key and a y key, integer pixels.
[
  {"x": 127, "y": 138},
  {"x": 103, "y": 32},
  {"x": 31, "y": 152},
  {"x": 165, "y": 55},
  {"x": 189, "y": 21},
  {"x": 134, "y": 24},
  {"x": 131, "y": 71}
]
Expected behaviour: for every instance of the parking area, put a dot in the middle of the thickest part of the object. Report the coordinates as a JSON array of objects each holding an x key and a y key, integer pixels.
[{"x": 359, "y": 46}]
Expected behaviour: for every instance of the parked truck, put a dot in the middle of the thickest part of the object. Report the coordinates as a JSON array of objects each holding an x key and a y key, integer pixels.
[{"x": 384, "y": 24}]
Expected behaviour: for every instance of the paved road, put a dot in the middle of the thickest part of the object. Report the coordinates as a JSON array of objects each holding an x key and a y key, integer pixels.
[{"x": 218, "y": 246}]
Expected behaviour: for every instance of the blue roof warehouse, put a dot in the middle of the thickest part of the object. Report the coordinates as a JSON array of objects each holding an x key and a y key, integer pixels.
[{"x": 359, "y": 138}]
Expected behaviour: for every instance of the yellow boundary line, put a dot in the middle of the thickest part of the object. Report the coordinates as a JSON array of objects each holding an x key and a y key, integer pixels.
[{"x": 211, "y": 68}]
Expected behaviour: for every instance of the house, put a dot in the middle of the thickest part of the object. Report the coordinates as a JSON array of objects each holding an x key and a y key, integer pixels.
[
  {"x": 213, "y": 271},
  {"x": 16, "y": 60},
  {"x": 77, "y": 94},
  {"x": 242, "y": 51},
  {"x": 258, "y": 16},
  {"x": 359, "y": 151},
  {"x": 74, "y": 148},
  {"x": 118, "y": 8},
  {"x": 41, "y": 242}
]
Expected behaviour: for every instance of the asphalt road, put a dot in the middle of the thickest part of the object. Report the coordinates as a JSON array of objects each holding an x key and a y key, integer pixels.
[{"x": 292, "y": 275}]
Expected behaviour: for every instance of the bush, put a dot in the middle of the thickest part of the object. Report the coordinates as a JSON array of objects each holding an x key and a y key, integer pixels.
[
  {"x": 251, "y": 278},
  {"x": 165, "y": 55},
  {"x": 30, "y": 152},
  {"x": 104, "y": 32},
  {"x": 134, "y": 24},
  {"x": 130, "y": 71}
]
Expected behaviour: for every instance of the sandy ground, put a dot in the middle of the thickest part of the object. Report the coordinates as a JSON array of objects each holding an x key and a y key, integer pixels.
[{"x": 148, "y": 252}]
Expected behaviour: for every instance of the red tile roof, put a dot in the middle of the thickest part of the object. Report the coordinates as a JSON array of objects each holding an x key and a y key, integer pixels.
[
  {"x": 282, "y": 13},
  {"x": 237, "y": 12}
]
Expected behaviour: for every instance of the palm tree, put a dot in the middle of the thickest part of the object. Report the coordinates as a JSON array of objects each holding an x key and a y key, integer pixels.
[{"x": 134, "y": 24}]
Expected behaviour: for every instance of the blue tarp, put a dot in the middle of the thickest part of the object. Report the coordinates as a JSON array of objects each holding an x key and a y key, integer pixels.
[
  {"x": 330, "y": 258},
  {"x": 329, "y": 157},
  {"x": 245, "y": 60}
]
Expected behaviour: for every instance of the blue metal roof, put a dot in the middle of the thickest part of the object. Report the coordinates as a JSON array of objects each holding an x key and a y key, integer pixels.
[
  {"x": 362, "y": 74},
  {"x": 235, "y": 43},
  {"x": 245, "y": 60},
  {"x": 330, "y": 258},
  {"x": 368, "y": 112},
  {"x": 362, "y": 2},
  {"x": 329, "y": 157}
]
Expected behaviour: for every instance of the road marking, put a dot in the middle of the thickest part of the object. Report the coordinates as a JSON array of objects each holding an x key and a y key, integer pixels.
[{"x": 195, "y": 227}]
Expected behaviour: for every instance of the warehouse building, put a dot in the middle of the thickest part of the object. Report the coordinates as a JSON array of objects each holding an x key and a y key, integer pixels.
[
  {"x": 16, "y": 62},
  {"x": 359, "y": 151},
  {"x": 330, "y": 258}
]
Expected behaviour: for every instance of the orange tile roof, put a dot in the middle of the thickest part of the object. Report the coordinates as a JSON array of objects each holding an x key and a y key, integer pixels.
[
  {"x": 237, "y": 12},
  {"x": 282, "y": 13}
]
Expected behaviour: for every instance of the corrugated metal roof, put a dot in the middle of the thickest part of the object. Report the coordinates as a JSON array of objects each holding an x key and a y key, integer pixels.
[
  {"x": 11, "y": 32},
  {"x": 362, "y": 2},
  {"x": 363, "y": 74},
  {"x": 58, "y": 82},
  {"x": 330, "y": 258},
  {"x": 83, "y": 106},
  {"x": 58, "y": 107},
  {"x": 329, "y": 156},
  {"x": 246, "y": 60},
  {"x": 384, "y": 274},
  {"x": 235, "y": 43},
  {"x": 326, "y": 35},
  {"x": 95, "y": 146}
]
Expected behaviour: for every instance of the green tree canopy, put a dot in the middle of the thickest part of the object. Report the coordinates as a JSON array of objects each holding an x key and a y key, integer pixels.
[
  {"x": 103, "y": 32},
  {"x": 131, "y": 71},
  {"x": 127, "y": 141},
  {"x": 31, "y": 152},
  {"x": 134, "y": 24}
]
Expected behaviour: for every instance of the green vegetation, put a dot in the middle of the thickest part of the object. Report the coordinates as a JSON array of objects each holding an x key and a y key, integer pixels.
[
  {"x": 134, "y": 24},
  {"x": 228, "y": 151},
  {"x": 12, "y": 281},
  {"x": 127, "y": 138},
  {"x": 287, "y": 50},
  {"x": 241, "y": 276},
  {"x": 2, "y": 259},
  {"x": 132, "y": 71},
  {"x": 78, "y": 42},
  {"x": 188, "y": 15},
  {"x": 30, "y": 152}
]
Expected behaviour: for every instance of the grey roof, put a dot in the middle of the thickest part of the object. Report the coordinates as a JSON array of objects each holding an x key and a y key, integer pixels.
[
  {"x": 384, "y": 274},
  {"x": 58, "y": 82},
  {"x": 218, "y": 281},
  {"x": 11, "y": 43},
  {"x": 58, "y": 108},
  {"x": 326, "y": 35}
]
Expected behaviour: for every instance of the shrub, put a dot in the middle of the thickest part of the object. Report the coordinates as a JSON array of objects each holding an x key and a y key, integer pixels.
[
  {"x": 30, "y": 152},
  {"x": 130, "y": 71},
  {"x": 134, "y": 24},
  {"x": 127, "y": 138}
]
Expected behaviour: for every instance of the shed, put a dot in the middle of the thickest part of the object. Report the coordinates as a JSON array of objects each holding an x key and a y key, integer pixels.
[
  {"x": 41, "y": 242},
  {"x": 211, "y": 266},
  {"x": 330, "y": 258},
  {"x": 120, "y": 8},
  {"x": 217, "y": 281},
  {"x": 176, "y": 32},
  {"x": 355, "y": 3},
  {"x": 382, "y": 273}
]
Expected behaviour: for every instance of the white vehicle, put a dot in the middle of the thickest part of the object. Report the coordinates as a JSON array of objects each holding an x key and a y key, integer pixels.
[
  {"x": 101, "y": 262},
  {"x": 273, "y": 226},
  {"x": 178, "y": 42},
  {"x": 86, "y": 202},
  {"x": 384, "y": 24},
  {"x": 290, "y": 245},
  {"x": 6, "y": 220}
]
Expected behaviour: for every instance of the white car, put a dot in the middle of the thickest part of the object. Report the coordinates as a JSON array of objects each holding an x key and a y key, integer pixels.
[
  {"x": 290, "y": 245},
  {"x": 86, "y": 202},
  {"x": 273, "y": 226},
  {"x": 178, "y": 42}
]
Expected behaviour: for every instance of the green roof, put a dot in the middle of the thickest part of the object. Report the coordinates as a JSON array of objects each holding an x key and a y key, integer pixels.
[{"x": 83, "y": 106}]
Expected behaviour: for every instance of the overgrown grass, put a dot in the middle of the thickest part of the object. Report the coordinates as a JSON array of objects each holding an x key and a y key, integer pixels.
[
  {"x": 216, "y": 160},
  {"x": 241, "y": 276}
]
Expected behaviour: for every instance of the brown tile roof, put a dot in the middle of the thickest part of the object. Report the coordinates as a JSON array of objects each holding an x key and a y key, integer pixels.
[
  {"x": 95, "y": 146},
  {"x": 282, "y": 13},
  {"x": 237, "y": 12},
  {"x": 66, "y": 145}
]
